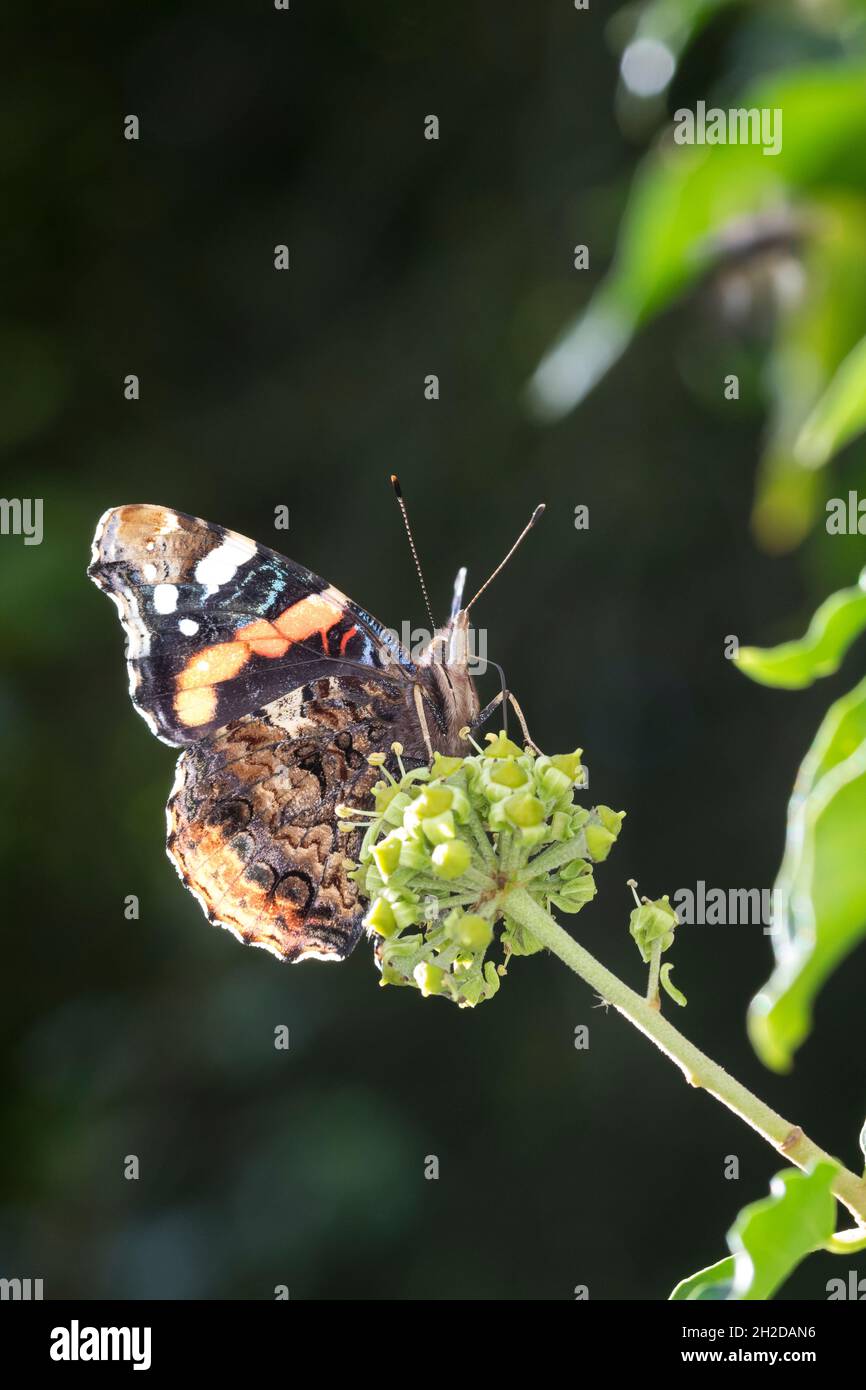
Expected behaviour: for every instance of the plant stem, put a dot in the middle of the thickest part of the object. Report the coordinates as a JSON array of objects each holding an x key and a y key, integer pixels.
[
  {"x": 652, "y": 990},
  {"x": 699, "y": 1070}
]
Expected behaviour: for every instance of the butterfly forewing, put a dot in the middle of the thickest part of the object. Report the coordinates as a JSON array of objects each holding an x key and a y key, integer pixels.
[{"x": 217, "y": 626}]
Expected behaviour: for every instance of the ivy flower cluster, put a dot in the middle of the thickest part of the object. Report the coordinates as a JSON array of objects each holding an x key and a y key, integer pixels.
[{"x": 446, "y": 844}]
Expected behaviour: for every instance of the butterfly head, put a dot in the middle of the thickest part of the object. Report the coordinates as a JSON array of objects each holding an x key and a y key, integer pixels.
[{"x": 448, "y": 652}]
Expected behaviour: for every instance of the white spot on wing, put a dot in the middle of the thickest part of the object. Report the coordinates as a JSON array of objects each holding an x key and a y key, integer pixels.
[
  {"x": 188, "y": 626},
  {"x": 220, "y": 564},
  {"x": 165, "y": 598}
]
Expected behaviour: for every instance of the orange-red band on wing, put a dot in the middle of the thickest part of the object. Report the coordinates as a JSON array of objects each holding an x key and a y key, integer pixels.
[
  {"x": 195, "y": 699},
  {"x": 345, "y": 639}
]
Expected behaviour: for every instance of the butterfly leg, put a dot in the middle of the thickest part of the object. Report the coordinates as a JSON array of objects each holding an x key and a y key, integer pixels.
[
  {"x": 500, "y": 700},
  {"x": 488, "y": 710},
  {"x": 422, "y": 720}
]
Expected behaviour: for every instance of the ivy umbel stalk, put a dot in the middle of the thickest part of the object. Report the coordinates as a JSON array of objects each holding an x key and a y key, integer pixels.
[{"x": 470, "y": 847}]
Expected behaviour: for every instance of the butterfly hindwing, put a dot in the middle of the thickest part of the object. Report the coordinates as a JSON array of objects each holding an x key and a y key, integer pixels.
[
  {"x": 252, "y": 824},
  {"x": 218, "y": 626}
]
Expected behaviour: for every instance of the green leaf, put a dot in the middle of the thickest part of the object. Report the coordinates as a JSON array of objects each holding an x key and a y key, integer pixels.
[
  {"x": 839, "y": 415},
  {"x": 770, "y": 1238},
  {"x": 792, "y": 665},
  {"x": 713, "y": 1283},
  {"x": 819, "y": 913}
]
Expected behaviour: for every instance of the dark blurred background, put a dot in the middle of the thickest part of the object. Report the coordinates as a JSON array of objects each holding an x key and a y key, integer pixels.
[{"x": 306, "y": 388}]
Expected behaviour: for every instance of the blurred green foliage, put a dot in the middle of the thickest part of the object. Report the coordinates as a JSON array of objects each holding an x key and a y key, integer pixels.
[
  {"x": 839, "y": 415},
  {"x": 794, "y": 219}
]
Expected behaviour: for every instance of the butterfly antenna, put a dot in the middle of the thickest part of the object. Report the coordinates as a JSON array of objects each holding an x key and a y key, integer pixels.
[
  {"x": 395, "y": 483},
  {"x": 536, "y": 516}
]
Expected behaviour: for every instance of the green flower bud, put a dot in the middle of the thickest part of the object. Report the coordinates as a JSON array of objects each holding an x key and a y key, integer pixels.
[
  {"x": 384, "y": 793},
  {"x": 470, "y": 930},
  {"x": 407, "y": 913},
  {"x": 598, "y": 842},
  {"x": 490, "y": 791},
  {"x": 381, "y": 918},
  {"x": 414, "y": 854},
  {"x": 393, "y": 812},
  {"x": 531, "y": 835},
  {"x": 554, "y": 783},
  {"x": 569, "y": 763},
  {"x": 433, "y": 801},
  {"x": 451, "y": 858},
  {"x": 560, "y": 826},
  {"x": 429, "y": 978},
  {"x": 501, "y": 747},
  {"x": 611, "y": 820},
  {"x": 575, "y": 892},
  {"x": 445, "y": 767},
  {"x": 568, "y": 904},
  {"x": 524, "y": 809},
  {"x": 576, "y": 868},
  {"x": 387, "y": 855},
  {"x": 518, "y": 941},
  {"x": 509, "y": 774},
  {"x": 460, "y": 805},
  {"x": 474, "y": 986},
  {"x": 651, "y": 923},
  {"x": 391, "y": 975},
  {"x": 437, "y": 829}
]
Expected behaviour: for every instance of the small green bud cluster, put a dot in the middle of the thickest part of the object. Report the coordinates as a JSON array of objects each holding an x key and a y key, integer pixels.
[
  {"x": 447, "y": 843},
  {"x": 652, "y": 925}
]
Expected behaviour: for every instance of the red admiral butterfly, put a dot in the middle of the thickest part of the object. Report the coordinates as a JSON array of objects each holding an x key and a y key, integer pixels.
[{"x": 279, "y": 688}]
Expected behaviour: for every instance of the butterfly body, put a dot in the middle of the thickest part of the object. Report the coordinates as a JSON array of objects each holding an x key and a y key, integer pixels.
[{"x": 278, "y": 688}]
